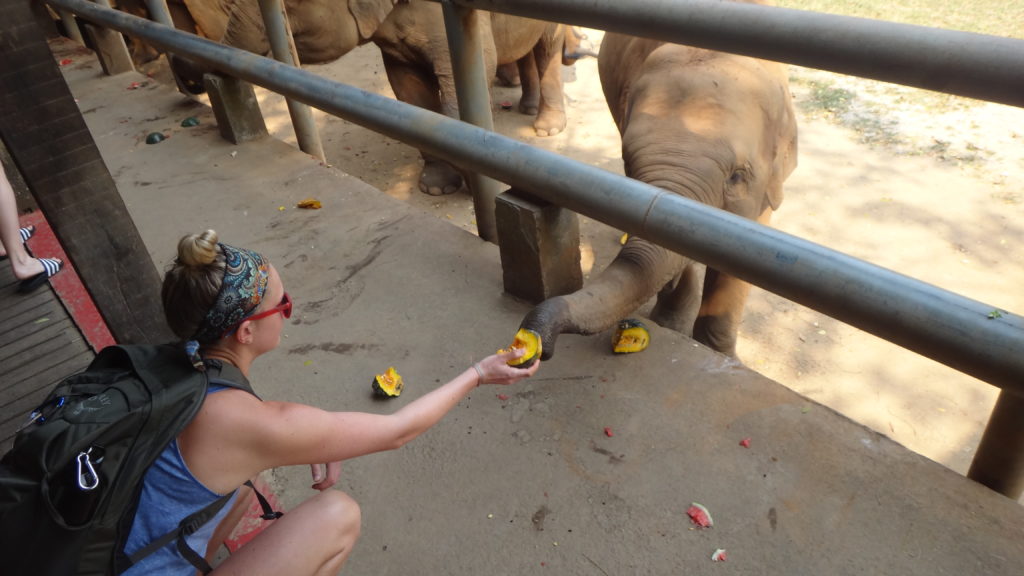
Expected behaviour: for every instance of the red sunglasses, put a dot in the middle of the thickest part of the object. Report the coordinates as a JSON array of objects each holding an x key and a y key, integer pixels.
[{"x": 285, "y": 308}]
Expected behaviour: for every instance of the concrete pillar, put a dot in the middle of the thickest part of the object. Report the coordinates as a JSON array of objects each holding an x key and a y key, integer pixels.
[
  {"x": 71, "y": 26},
  {"x": 539, "y": 243},
  {"x": 235, "y": 107},
  {"x": 111, "y": 50}
]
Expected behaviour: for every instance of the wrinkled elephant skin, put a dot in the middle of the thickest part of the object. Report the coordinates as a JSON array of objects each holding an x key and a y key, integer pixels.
[
  {"x": 713, "y": 127},
  {"x": 414, "y": 46},
  {"x": 323, "y": 30}
]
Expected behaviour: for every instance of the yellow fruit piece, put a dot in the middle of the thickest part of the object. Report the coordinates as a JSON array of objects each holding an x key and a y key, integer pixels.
[
  {"x": 529, "y": 340},
  {"x": 388, "y": 384},
  {"x": 309, "y": 204},
  {"x": 630, "y": 336}
]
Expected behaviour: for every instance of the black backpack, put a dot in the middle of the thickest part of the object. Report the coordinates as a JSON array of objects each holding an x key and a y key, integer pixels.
[{"x": 70, "y": 485}]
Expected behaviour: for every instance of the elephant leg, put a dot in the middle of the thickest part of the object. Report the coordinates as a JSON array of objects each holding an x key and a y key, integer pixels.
[
  {"x": 722, "y": 307},
  {"x": 529, "y": 102},
  {"x": 508, "y": 74},
  {"x": 548, "y": 55},
  {"x": 679, "y": 302},
  {"x": 413, "y": 86},
  {"x": 721, "y": 311}
]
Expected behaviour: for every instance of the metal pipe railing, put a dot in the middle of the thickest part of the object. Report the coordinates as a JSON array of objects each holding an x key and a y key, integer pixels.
[
  {"x": 961, "y": 63},
  {"x": 936, "y": 323}
]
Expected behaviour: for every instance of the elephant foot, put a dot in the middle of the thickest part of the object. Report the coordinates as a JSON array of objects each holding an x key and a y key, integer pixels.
[
  {"x": 529, "y": 106},
  {"x": 717, "y": 339},
  {"x": 440, "y": 178},
  {"x": 550, "y": 123}
]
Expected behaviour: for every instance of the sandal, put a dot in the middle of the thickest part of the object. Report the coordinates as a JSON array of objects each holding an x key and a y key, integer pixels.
[
  {"x": 50, "y": 268},
  {"x": 25, "y": 233}
]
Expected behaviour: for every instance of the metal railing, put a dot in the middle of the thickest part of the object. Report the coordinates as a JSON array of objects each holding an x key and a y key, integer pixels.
[{"x": 936, "y": 323}]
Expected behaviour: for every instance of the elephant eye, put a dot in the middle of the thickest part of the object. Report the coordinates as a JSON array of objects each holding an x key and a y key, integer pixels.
[{"x": 737, "y": 177}]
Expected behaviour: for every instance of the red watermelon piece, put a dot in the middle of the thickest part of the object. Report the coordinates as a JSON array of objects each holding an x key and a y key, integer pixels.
[{"x": 700, "y": 515}]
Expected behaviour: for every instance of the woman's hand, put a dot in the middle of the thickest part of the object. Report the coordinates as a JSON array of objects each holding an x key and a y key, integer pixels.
[
  {"x": 495, "y": 369},
  {"x": 325, "y": 475}
]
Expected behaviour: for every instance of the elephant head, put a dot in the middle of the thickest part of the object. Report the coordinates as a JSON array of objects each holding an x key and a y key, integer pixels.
[
  {"x": 323, "y": 30},
  {"x": 713, "y": 127}
]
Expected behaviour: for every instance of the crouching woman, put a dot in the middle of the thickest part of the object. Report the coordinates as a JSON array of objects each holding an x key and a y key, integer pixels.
[{"x": 232, "y": 303}]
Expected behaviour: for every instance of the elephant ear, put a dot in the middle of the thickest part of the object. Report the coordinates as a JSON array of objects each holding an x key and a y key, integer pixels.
[
  {"x": 244, "y": 28},
  {"x": 785, "y": 155},
  {"x": 369, "y": 14}
]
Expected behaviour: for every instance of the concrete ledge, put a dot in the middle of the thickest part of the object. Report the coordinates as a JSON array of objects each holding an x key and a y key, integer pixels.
[{"x": 524, "y": 479}]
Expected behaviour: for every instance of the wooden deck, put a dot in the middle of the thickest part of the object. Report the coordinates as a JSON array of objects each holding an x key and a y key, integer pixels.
[{"x": 39, "y": 345}]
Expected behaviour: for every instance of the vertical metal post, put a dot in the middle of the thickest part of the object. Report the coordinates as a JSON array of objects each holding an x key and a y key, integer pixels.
[
  {"x": 999, "y": 461},
  {"x": 471, "y": 85},
  {"x": 159, "y": 13},
  {"x": 283, "y": 46}
]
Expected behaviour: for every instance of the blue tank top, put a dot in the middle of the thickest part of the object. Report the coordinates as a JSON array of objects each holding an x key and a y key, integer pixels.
[{"x": 169, "y": 493}]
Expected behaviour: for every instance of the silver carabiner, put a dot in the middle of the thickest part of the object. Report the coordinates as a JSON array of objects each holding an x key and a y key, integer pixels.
[{"x": 88, "y": 479}]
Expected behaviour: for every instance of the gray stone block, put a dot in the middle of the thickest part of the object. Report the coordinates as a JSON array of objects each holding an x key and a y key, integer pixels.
[
  {"x": 235, "y": 107},
  {"x": 539, "y": 245}
]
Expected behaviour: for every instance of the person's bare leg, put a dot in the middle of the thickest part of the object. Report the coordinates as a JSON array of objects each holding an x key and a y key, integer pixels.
[
  {"x": 315, "y": 538},
  {"x": 24, "y": 265}
]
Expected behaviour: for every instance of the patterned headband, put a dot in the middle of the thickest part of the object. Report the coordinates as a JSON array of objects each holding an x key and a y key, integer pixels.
[{"x": 241, "y": 291}]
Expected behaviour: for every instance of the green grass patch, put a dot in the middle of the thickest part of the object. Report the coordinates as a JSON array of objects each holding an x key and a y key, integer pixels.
[
  {"x": 826, "y": 98},
  {"x": 994, "y": 17}
]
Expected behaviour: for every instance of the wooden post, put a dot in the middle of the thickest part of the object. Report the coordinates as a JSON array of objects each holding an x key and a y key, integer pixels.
[{"x": 43, "y": 130}]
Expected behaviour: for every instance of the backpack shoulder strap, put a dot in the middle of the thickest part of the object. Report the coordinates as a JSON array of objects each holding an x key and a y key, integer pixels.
[
  {"x": 226, "y": 374},
  {"x": 187, "y": 526}
]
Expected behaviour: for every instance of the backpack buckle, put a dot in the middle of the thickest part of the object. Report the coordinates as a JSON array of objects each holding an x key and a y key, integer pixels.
[{"x": 88, "y": 479}]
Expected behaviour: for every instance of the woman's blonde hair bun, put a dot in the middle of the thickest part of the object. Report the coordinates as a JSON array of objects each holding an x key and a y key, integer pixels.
[{"x": 198, "y": 250}]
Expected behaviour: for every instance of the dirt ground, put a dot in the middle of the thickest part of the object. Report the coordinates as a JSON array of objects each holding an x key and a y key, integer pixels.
[{"x": 924, "y": 184}]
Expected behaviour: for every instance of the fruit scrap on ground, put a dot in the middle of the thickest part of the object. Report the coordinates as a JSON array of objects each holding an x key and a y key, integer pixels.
[
  {"x": 608, "y": 431},
  {"x": 700, "y": 515},
  {"x": 530, "y": 341},
  {"x": 388, "y": 384},
  {"x": 309, "y": 204},
  {"x": 718, "y": 555},
  {"x": 630, "y": 336},
  {"x": 745, "y": 442}
]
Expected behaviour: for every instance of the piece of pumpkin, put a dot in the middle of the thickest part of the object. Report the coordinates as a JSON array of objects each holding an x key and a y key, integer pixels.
[
  {"x": 630, "y": 336},
  {"x": 529, "y": 340},
  {"x": 388, "y": 384}
]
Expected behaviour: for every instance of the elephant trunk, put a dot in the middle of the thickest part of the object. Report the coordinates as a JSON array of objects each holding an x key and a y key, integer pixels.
[{"x": 638, "y": 272}]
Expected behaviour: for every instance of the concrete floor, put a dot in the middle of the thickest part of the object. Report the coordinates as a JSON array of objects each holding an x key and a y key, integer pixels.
[{"x": 525, "y": 479}]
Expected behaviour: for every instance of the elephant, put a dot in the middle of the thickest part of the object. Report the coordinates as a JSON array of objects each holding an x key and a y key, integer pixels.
[
  {"x": 323, "y": 30},
  {"x": 206, "y": 19},
  {"x": 414, "y": 47},
  {"x": 710, "y": 126}
]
